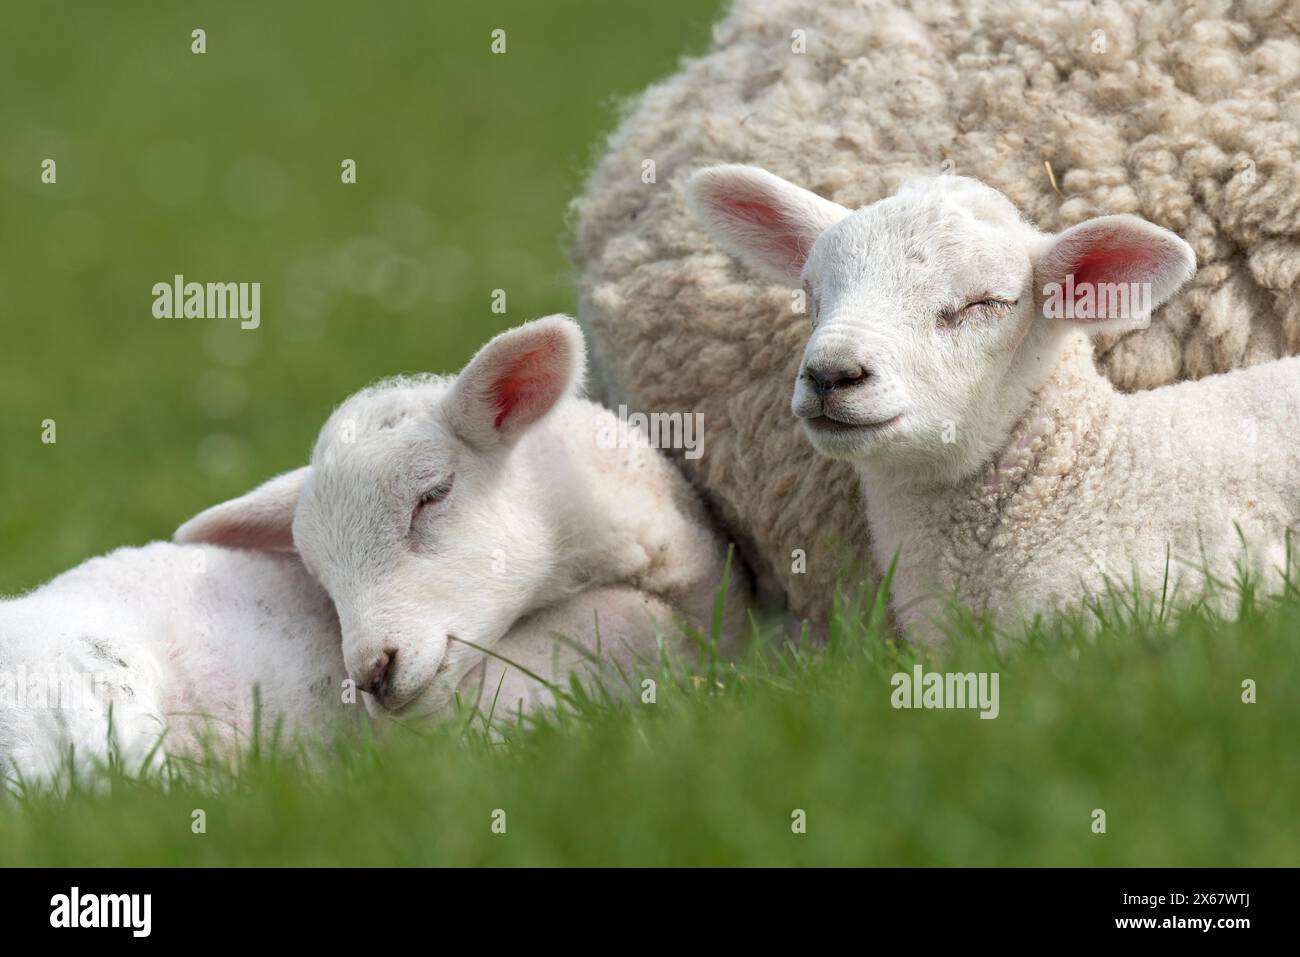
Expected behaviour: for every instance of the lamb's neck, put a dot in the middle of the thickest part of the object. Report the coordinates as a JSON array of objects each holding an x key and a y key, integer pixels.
[
  {"x": 929, "y": 525},
  {"x": 1070, "y": 410}
]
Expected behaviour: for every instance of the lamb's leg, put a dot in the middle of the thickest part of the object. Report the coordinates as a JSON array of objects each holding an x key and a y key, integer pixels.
[{"x": 608, "y": 635}]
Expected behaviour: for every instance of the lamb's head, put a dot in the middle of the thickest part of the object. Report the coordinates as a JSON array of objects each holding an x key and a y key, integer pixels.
[
  {"x": 936, "y": 311},
  {"x": 416, "y": 518}
]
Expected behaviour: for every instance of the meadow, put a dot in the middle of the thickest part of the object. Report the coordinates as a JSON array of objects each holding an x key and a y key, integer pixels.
[
  {"x": 793, "y": 755},
  {"x": 225, "y": 166}
]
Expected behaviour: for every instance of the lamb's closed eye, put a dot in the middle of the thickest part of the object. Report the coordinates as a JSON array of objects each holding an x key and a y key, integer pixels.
[
  {"x": 975, "y": 307},
  {"x": 990, "y": 305},
  {"x": 434, "y": 495}
]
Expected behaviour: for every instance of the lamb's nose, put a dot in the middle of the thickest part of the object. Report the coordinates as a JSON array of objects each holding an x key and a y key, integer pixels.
[
  {"x": 827, "y": 379},
  {"x": 378, "y": 674}
]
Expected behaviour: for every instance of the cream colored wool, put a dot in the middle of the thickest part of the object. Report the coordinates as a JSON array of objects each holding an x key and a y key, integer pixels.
[
  {"x": 1176, "y": 491},
  {"x": 1186, "y": 115}
]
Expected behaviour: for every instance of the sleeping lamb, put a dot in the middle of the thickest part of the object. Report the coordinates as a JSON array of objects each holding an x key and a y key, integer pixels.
[
  {"x": 439, "y": 511},
  {"x": 171, "y": 640},
  {"x": 1185, "y": 114},
  {"x": 948, "y": 361},
  {"x": 174, "y": 639},
  {"x": 462, "y": 529}
]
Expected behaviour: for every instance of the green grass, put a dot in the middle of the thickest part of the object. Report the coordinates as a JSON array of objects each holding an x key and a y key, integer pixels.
[
  {"x": 1135, "y": 713},
  {"x": 225, "y": 166}
]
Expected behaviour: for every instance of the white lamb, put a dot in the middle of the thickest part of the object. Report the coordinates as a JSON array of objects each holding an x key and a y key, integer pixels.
[
  {"x": 1185, "y": 114},
  {"x": 187, "y": 644},
  {"x": 556, "y": 552},
  {"x": 440, "y": 511},
  {"x": 172, "y": 639},
  {"x": 996, "y": 462}
]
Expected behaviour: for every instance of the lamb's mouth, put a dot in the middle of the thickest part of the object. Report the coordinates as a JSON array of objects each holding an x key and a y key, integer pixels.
[
  {"x": 405, "y": 707},
  {"x": 446, "y": 659},
  {"x": 826, "y": 424}
]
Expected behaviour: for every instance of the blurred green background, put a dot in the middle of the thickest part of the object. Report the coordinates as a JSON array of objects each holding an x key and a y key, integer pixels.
[{"x": 225, "y": 166}]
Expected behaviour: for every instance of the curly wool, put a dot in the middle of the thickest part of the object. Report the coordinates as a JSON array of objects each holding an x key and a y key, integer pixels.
[
  {"x": 1175, "y": 492},
  {"x": 1189, "y": 118}
]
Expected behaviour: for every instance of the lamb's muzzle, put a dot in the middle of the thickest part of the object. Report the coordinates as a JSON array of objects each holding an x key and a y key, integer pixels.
[
  {"x": 826, "y": 379},
  {"x": 377, "y": 676}
]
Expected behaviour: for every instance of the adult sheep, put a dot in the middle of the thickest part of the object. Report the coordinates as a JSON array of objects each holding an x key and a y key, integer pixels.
[{"x": 1186, "y": 117}]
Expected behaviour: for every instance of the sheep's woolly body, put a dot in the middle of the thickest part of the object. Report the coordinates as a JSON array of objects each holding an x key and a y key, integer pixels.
[
  {"x": 1097, "y": 486},
  {"x": 1185, "y": 115}
]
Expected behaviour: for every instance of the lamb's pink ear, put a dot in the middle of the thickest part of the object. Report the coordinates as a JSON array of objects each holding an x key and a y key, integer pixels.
[
  {"x": 516, "y": 379},
  {"x": 1108, "y": 274},
  {"x": 766, "y": 222},
  {"x": 262, "y": 519}
]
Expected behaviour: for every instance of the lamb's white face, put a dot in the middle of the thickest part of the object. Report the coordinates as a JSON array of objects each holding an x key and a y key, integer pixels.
[
  {"x": 420, "y": 539},
  {"x": 928, "y": 332},
  {"x": 916, "y": 309},
  {"x": 418, "y": 519}
]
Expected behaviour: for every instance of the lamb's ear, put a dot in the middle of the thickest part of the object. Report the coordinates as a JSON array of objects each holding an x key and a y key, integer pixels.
[
  {"x": 262, "y": 519},
  {"x": 768, "y": 223},
  {"x": 516, "y": 379},
  {"x": 1108, "y": 274}
]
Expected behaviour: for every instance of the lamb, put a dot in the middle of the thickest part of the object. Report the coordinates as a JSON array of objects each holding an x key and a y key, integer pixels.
[
  {"x": 168, "y": 643},
  {"x": 438, "y": 512},
  {"x": 569, "y": 547},
  {"x": 948, "y": 362},
  {"x": 191, "y": 646},
  {"x": 608, "y": 637},
  {"x": 1184, "y": 115}
]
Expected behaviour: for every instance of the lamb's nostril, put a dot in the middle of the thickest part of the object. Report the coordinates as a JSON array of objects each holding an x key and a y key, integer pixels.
[
  {"x": 379, "y": 671},
  {"x": 826, "y": 381}
]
